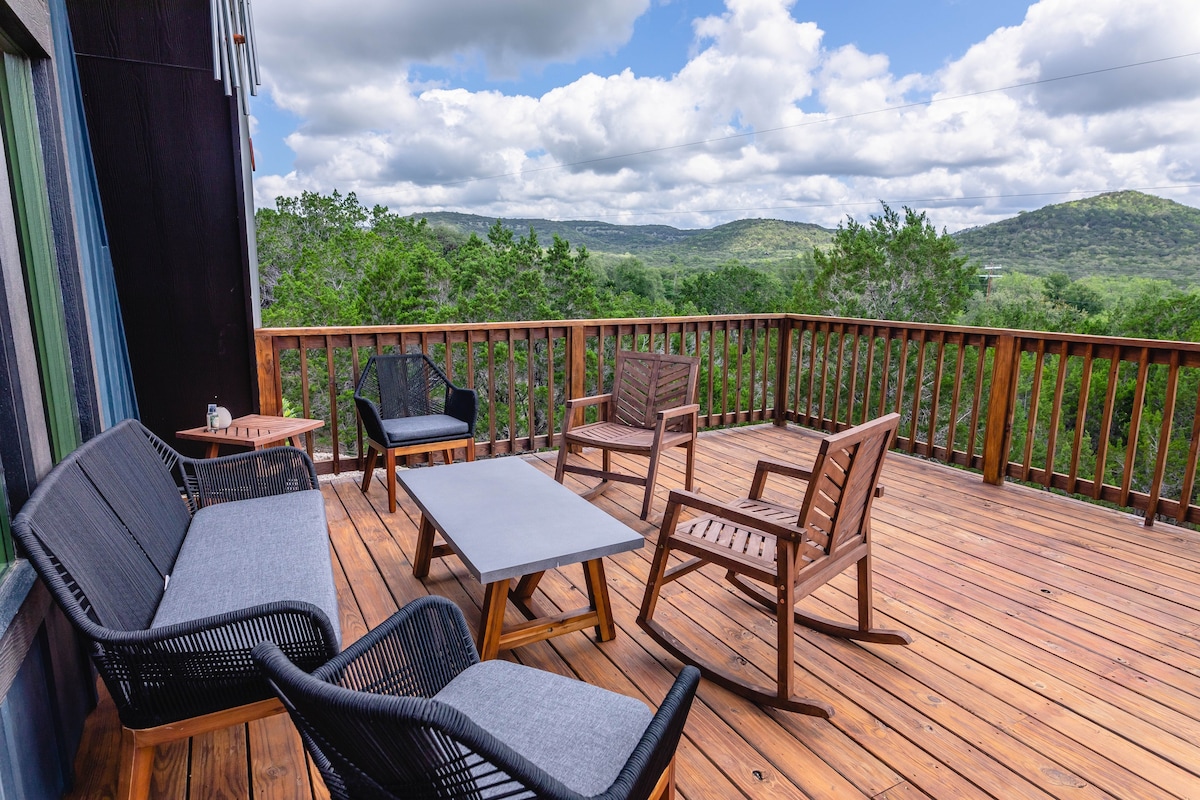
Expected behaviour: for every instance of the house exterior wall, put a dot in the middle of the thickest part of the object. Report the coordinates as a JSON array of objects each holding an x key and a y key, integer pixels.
[{"x": 46, "y": 685}]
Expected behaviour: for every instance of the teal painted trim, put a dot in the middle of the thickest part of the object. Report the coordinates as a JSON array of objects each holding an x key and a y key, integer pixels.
[
  {"x": 26, "y": 172},
  {"x": 114, "y": 376}
]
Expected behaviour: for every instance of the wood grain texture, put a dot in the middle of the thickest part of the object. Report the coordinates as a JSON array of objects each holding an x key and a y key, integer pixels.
[{"x": 1054, "y": 644}]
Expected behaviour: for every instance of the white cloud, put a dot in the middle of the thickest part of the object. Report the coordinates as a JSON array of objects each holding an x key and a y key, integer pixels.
[{"x": 623, "y": 147}]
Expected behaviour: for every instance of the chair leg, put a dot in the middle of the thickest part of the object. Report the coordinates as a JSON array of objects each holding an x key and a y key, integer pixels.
[
  {"x": 369, "y": 467},
  {"x": 658, "y": 567},
  {"x": 137, "y": 763},
  {"x": 471, "y": 450},
  {"x": 690, "y": 471},
  {"x": 785, "y": 603},
  {"x": 560, "y": 468},
  {"x": 389, "y": 458},
  {"x": 651, "y": 477},
  {"x": 665, "y": 788}
]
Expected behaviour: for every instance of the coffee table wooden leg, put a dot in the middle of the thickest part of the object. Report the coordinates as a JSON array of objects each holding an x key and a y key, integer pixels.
[
  {"x": 597, "y": 588},
  {"x": 495, "y": 599},
  {"x": 424, "y": 548},
  {"x": 213, "y": 449},
  {"x": 522, "y": 595}
]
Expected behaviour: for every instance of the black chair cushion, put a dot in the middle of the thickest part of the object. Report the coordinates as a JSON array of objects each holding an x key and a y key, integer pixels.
[{"x": 580, "y": 734}]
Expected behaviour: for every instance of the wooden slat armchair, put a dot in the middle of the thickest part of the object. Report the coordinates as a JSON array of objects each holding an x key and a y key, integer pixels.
[
  {"x": 790, "y": 551},
  {"x": 408, "y": 406},
  {"x": 651, "y": 407}
]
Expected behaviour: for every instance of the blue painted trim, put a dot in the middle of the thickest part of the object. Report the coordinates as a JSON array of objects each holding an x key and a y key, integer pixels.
[{"x": 114, "y": 376}]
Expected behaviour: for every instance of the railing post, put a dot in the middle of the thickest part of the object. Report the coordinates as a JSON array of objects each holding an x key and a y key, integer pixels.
[
  {"x": 268, "y": 391},
  {"x": 576, "y": 367},
  {"x": 783, "y": 363},
  {"x": 998, "y": 432}
]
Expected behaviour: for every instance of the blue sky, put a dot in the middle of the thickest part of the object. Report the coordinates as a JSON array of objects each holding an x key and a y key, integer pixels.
[{"x": 424, "y": 107}]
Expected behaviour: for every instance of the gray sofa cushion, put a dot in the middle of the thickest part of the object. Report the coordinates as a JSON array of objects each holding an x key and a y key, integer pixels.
[
  {"x": 241, "y": 554},
  {"x": 432, "y": 427},
  {"x": 580, "y": 734}
]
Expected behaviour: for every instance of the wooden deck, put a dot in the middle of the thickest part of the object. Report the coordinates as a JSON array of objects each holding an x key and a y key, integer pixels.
[{"x": 1056, "y": 649}]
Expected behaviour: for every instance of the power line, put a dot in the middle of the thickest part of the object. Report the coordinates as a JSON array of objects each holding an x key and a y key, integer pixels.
[{"x": 822, "y": 121}]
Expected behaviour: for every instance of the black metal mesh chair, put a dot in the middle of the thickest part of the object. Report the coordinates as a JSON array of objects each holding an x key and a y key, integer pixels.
[
  {"x": 409, "y": 711},
  {"x": 408, "y": 406}
]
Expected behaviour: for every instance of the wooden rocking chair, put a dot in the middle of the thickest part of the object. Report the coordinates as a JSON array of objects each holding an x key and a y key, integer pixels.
[
  {"x": 651, "y": 407},
  {"x": 795, "y": 551}
]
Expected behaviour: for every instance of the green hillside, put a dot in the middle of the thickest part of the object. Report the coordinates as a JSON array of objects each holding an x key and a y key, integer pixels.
[
  {"x": 1116, "y": 234},
  {"x": 750, "y": 241},
  {"x": 1110, "y": 235}
]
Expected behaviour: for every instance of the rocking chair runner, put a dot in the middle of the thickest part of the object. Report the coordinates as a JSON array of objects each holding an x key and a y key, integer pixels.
[
  {"x": 651, "y": 407},
  {"x": 794, "y": 551}
]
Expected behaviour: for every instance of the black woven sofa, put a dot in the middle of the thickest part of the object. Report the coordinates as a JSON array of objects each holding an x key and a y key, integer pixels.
[{"x": 173, "y": 569}]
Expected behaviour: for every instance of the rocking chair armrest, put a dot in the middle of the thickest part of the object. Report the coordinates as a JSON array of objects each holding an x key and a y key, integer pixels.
[
  {"x": 594, "y": 400},
  {"x": 768, "y": 466},
  {"x": 678, "y": 411},
  {"x": 681, "y": 497}
]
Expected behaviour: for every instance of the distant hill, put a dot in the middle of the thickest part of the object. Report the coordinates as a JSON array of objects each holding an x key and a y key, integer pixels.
[
  {"x": 1115, "y": 234},
  {"x": 750, "y": 241}
]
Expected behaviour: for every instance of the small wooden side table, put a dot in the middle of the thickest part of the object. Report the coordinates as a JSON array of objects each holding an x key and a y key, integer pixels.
[{"x": 253, "y": 431}]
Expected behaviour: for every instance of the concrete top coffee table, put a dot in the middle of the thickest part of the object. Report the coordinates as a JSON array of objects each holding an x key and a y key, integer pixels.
[{"x": 506, "y": 519}]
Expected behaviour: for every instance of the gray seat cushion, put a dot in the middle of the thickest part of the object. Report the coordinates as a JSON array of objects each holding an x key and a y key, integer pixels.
[
  {"x": 580, "y": 734},
  {"x": 434, "y": 427},
  {"x": 242, "y": 554}
]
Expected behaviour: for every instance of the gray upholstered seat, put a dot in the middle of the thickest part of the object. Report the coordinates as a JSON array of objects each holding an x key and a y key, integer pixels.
[
  {"x": 579, "y": 733},
  {"x": 426, "y": 429},
  {"x": 244, "y": 554}
]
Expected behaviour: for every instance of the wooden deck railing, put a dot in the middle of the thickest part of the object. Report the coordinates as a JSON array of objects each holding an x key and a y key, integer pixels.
[{"x": 1116, "y": 420}]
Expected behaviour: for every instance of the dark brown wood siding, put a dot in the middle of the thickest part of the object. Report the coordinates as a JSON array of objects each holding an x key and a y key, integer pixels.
[{"x": 166, "y": 145}]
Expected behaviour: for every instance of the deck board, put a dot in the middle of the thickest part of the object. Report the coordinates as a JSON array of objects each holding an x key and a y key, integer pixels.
[{"x": 1054, "y": 656}]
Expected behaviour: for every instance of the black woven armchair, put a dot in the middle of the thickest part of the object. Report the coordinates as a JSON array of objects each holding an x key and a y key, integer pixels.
[
  {"x": 409, "y": 711},
  {"x": 106, "y": 531},
  {"x": 408, "y": 406}
]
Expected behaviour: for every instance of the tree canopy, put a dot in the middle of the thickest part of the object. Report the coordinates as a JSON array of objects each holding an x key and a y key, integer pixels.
[{"x": 890, "y": 268}]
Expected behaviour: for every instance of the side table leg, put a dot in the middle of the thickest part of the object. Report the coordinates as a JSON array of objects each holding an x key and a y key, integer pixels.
[
  {"x": 424, "y": 548},
  {"x": 491, "y": 623},
  {"x": 597, "y": 588}
]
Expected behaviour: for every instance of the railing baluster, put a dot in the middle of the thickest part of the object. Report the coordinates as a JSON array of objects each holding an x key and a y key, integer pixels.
[
  {"x": 940, "y": 344},
  {"x": 1164, "y": 439},
  {"x": 1135, "y": 423},
  {"x": 918, "y": 385},
  {"x": 952, "y": 428},
  {"x": 1189, "y": 474},
  {"x": 1056, "y": 411},
  {"x": 1085, "y": 385},
  {"x": 1110, "y": 399},
  {"x": 1034, "y": 397}
]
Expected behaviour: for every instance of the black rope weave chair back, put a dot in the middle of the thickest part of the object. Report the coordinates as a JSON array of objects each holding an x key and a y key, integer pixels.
[
  {"x": 407, "y": 385},
  {"x": 371, "y": 731}
]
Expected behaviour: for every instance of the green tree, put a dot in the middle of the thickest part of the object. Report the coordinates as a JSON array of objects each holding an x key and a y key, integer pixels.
[
  {"x": 733, "y": 288},
  {"x": 890, "y": 268}
]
